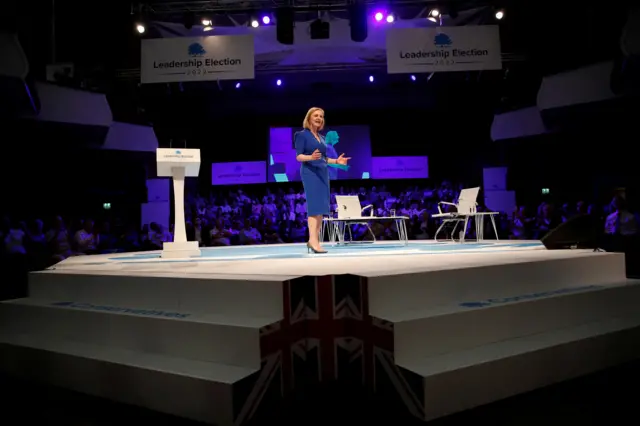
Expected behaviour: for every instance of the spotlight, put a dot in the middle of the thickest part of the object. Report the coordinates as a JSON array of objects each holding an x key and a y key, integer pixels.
[
  {"x": 378, "y": 16},
  {"x": 413, "y": 78},
  {"x": 500, "y": 14},
  {"x": 266, "y": 20},
  {"x": 237, "y": 85},
  {"x": 278, "y": 82},
  {"x": 371, "y": 79},
  {"x": 435, "y": 13},
  {"x": 358, "y": 21},
  {"x": 255, "y": 24},
  {"x": 319, "y": 30},
  {"x": 189, "y": 20},
  {"x": 206, "y": 22},
  {"x": 390, "y": 19},
  {"x": 285, "y": 21},
  {"x": 140, "y": 28}
]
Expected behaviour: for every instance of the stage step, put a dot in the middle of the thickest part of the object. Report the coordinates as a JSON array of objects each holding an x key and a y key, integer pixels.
[
  {"x": 519, "y": 273},
  {"x": 467, "y": 325},
  {"x": 219, "y": 338},
  {"x": 461, "y": 380},
  {"x": 195, "y": 293},
  {"x": 202, "y": 391}
]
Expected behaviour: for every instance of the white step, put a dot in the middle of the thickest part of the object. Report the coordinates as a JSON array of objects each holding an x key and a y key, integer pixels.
[
  {"x": 197, "y": 390},
  {"x": 453, "y": 328},
  {"x": 527, "y": 273},
  {"x": 216, "y": 338},
  {"x": 458, "y": 381},
  {"x": 191, "y": 293}
]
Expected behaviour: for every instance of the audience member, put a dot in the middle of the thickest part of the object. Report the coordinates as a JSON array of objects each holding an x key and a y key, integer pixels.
[{"x": 621, "y": 221}]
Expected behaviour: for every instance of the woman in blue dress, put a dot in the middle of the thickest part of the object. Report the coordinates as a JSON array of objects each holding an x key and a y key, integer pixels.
[{"x": 311, "y": 152}]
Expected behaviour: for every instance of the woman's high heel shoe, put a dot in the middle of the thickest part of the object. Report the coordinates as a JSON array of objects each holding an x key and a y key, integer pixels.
[{"x": 311, "y": 249}]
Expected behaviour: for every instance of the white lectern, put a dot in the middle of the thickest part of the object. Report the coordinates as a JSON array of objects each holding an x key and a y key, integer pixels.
[{"x": 179, "y": 163}]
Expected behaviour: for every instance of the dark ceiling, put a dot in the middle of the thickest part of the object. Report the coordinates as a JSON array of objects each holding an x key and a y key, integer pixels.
[
  {"x": 556, "y": 35},
  {"x": 98, "y": 38}
]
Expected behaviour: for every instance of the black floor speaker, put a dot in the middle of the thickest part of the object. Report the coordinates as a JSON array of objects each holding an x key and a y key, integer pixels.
[
  {"x": 587, "y": 232},
  {"x": 579, "y": 232}
]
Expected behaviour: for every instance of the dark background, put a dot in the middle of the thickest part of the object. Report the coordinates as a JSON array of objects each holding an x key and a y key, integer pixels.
[{"x": 447, "y": 117}]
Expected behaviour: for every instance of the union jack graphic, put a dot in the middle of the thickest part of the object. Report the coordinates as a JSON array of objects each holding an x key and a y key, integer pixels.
[{"x": 327, "y": 334}]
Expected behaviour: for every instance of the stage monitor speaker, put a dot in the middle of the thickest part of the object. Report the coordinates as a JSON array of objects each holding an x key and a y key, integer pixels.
[
  {"x": 284, "y": 25},
  {"x": 358, "y": 22},
  {"x": 580, "y": 232}
]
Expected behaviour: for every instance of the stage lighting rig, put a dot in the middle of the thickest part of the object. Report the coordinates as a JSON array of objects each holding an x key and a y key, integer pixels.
[
  {"x": 319, "y": 30},
  {"x": 199, "y": 8}
]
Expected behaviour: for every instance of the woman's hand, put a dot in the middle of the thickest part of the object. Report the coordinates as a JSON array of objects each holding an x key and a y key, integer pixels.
[
  {"x": 316, "y": 155},
  {"x": 342, "y": 160}
]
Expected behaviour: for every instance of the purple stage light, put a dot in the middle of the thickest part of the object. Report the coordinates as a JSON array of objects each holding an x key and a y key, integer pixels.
[
  {"x": 266, "y": 20},
  {"x": 371, "y": 79},
  {"x": 413, "y": 78},
  {"x": 278, "y": 82},
  {"x": 390, "y": 19},
  {"x": 237, "y": 85},
  {"x": 378, "y": 16}
]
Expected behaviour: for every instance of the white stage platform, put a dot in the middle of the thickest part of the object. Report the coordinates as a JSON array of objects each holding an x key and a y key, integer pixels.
[{"x": 444, "y": 327}]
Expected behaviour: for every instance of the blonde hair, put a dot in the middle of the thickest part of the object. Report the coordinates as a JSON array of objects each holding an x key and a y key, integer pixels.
[{"x": 305, "y": 122}]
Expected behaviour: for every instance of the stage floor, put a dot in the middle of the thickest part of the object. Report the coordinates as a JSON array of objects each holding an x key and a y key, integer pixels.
[
  {"x": 292, "y": 260},
  {"x": 422, "y": 324}
]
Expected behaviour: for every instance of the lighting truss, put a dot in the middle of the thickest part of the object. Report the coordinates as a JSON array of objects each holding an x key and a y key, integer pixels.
[{"x": 231, "y": 6}]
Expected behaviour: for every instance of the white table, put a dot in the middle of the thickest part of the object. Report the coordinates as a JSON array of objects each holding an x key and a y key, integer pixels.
[
  {"x": 338, "y": 227},
  {"x": 478, "y": 220}
]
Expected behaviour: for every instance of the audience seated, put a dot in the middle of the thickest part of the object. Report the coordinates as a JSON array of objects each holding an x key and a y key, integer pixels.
[{"x": 237, "y": 217}]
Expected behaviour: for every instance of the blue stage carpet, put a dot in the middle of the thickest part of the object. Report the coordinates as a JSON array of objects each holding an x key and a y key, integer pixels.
[{"x": 298, "y": 251}]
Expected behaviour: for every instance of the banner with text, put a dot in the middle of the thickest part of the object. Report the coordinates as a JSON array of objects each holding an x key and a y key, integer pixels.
[
  {"x": 241, "y": 173},
  {"x": 166, "y": 60},
  {"x": 468, "y": 48},
  {"x": 399, "y": 167}
]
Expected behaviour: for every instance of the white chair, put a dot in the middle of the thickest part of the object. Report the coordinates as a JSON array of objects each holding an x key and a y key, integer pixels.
[
  {"x": 466, "y": 207},
  {"x": 349, "y": 210}
]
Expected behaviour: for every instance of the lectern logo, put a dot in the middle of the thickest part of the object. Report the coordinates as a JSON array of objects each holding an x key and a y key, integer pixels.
[
  {"x": 238, "y": 169},
  {"x": 178, "y": 152}
]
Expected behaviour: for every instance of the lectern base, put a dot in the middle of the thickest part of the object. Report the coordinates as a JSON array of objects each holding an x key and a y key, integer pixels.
[{"x": 180, "y": 250}]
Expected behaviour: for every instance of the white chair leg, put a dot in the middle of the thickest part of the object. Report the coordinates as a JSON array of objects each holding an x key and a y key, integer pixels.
[
  {"x": 435, "y": 237},
  {"x": 340, "y": 232},
  {"x": 464, "y": 231},
  {"x": 453, "y": 231},
  {"x": 402, "y": 231},
  {"x": 373, "y": 236},
  {"x": 495, "y": 229}
]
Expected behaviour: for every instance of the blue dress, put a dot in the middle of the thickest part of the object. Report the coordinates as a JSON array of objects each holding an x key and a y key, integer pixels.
[{"x": 314, "y": 174}]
